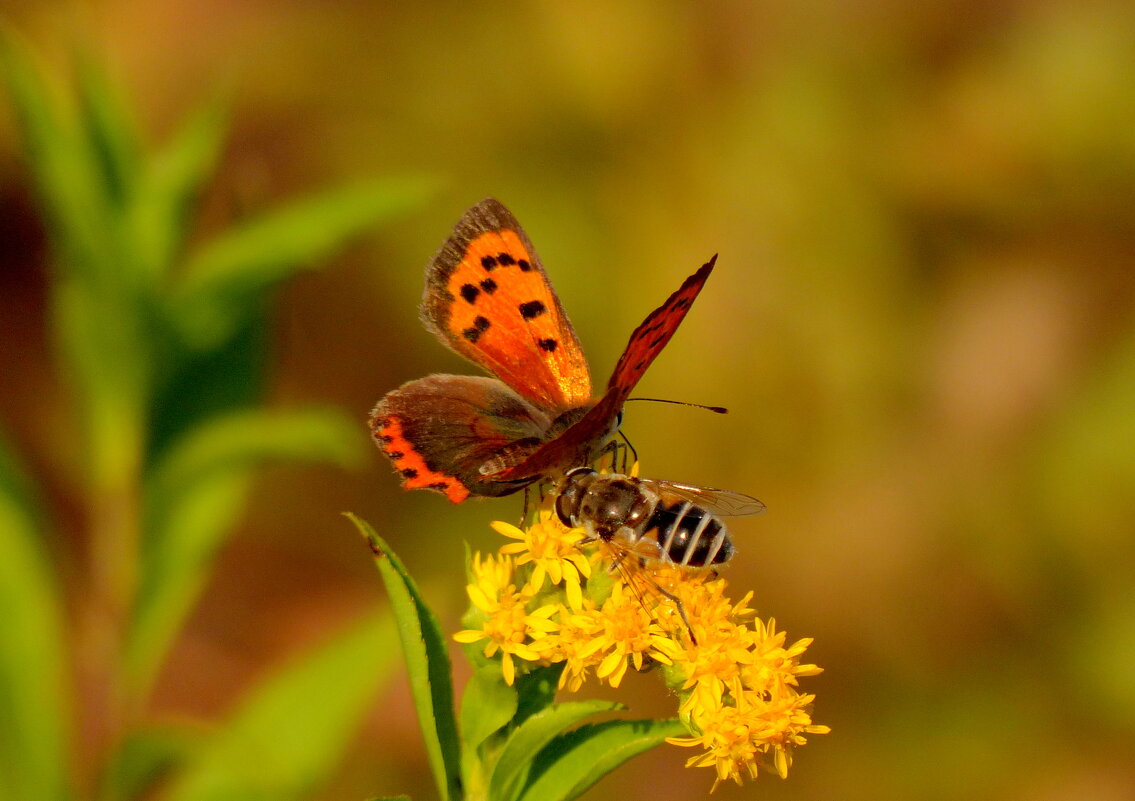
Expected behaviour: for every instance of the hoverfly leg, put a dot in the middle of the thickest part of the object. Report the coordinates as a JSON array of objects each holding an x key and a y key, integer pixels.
[
  {"x": 669, "y": 596},
  {"x": 524, "y": 508},
  {"x": 681, "y": 607},
  {"x": 616, "y": 566},
  {"x": 627, "y": 447}
]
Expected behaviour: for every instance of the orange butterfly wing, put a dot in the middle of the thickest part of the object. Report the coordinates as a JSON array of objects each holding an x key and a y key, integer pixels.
[{"x": 488, "y": 298}]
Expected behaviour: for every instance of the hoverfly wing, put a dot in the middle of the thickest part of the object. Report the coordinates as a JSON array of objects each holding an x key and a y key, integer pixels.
[{"x": 721, "y": 502}]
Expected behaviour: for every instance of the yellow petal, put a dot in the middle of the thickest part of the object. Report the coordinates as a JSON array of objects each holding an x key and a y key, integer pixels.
[
  {"x": 508, "y": 671},
  {"x": 479, "y": 599},
  {"x": 609, "y": 663},
  {"x": 507, "y": 529}
]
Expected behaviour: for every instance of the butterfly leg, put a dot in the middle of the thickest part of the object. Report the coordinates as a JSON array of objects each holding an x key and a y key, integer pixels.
[
  {"x": 607, "y": 458},
  {"x": 524, "y": 508}
]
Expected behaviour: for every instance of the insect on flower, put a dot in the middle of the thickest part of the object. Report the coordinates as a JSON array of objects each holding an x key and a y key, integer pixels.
[
  {"x": 653, "y": 523},
  {"x": 488, "y": 298}
]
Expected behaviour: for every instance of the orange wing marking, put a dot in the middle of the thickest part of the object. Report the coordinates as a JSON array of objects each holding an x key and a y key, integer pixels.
[
  {"x": 388, "y": 435},
  {"x": 505, "y": 310}
]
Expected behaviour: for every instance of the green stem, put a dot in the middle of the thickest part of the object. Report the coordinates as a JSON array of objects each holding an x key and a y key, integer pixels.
[{"x": 115, "y": 540}]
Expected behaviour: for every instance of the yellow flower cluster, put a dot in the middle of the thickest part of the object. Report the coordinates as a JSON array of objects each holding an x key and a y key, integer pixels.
[{"x": 546, "y": 599}]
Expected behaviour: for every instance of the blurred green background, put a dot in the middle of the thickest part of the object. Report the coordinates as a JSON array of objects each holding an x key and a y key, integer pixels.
[{"x": 922, "y": 321}]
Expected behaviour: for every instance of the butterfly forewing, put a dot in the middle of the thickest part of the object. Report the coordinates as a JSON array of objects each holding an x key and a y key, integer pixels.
[
  {"x": 648, "y": 340},
  {"x": 487, "y": 296}
]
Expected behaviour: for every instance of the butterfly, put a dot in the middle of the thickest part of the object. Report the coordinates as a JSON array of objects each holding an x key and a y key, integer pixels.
[{"x": 488, "y": 298}]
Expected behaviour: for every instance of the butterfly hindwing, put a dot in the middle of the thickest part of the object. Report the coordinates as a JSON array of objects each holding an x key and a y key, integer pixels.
[
  {"x": 487, "y": 297},
  {"x": 439, "y": 430}
]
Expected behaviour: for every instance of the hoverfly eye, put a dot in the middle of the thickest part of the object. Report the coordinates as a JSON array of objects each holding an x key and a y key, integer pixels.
[{"x": 563, "y": 508}]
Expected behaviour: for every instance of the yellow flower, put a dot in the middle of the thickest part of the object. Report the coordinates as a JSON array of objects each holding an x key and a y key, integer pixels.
[
  {"x": 552, "y": 550},
  {"x": 577, "y": 644},
  {"x": 507, "y": 624},
  {"x": 627, "y": 635},
  {"x": 736, "y": 678},
  {"x": 754, "y": 729}
]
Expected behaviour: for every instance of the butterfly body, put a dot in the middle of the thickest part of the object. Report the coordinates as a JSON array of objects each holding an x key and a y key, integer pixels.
[{"x": 488, "y": 298}]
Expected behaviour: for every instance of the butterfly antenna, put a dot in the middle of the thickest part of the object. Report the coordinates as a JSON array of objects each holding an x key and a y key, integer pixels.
[{"x": 714, "y": 409}]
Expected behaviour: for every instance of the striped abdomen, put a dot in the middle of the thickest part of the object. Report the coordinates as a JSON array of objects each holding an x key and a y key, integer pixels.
[{"x": 688, "y": 535}]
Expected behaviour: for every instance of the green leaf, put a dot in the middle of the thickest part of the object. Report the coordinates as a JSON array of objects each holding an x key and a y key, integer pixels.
[
  {"x": 427, "y": 663},
  {"x": 572, "y": 763},
  {"x": 195, "y": 386},
  {"x": 98, "y": 322},
  {"x": 105, "y": 343},
  {"x": 110, "y": 132},
  {"x": 192, "y": 499},
  {"x": 146, "y": 758},
  {"x": 290, "y": 733},
  {"x": 531, "y": 737},
  {"x": 238, "y": 267},
  {"x": 33, "y": 705},
  {"x": 244, "y": 439},
  {"x": 486, "y": 706},
  {"x": 537, "y": 690},
  {"x": 66, "y": 178},
  {"x": 169, "y": 188}
]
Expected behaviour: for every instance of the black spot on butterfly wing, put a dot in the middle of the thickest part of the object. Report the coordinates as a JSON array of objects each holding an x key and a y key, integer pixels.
[{"x": 480, "y": 326}]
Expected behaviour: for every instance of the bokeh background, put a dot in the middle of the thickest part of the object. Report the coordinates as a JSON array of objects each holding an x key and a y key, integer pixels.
[{"x": 921, "y": 321}]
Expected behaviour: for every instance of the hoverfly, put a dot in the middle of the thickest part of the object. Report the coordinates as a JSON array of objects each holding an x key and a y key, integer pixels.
[
  {"x": 655, "y": 520},
  {"x": 661, "y": 523}
]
